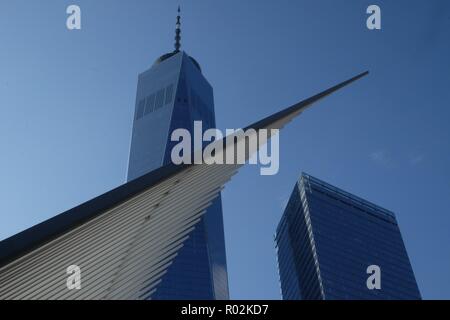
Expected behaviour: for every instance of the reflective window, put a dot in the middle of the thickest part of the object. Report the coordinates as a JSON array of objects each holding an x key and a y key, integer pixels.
[
  {"x": 169, "y": 94},
  {"x": 159, "y": 99},
  {"x": 150, "y": 104},
  {"x": 140, "y": 111}
]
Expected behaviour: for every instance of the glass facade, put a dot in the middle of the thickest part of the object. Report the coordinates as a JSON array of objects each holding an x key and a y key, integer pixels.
[
  {"x": 326, "y": 240},
  {"x": 171, "y": 95}
]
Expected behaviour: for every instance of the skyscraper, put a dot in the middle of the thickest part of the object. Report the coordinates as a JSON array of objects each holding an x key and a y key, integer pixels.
[
  {"x": 326, "y": 240},
  {"x": 121, "y": 243},
  {"x": 173, "y": 94}
]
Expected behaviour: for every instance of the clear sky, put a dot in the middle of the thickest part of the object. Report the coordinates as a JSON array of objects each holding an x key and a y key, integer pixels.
[{"x": 67, "y": 102}]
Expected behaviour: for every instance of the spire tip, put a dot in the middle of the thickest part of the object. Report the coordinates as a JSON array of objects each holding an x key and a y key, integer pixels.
[{"x": 178, "y": 32}]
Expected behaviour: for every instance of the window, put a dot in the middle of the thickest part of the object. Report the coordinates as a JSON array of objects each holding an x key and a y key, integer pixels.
[
  {"x": 169, "y": 94},
  {"x": 150, "y": 104},
  {"x": 159, "y": 99},
  {"x": 155, "y": 101},
  {"x": 140, "y": 111}
]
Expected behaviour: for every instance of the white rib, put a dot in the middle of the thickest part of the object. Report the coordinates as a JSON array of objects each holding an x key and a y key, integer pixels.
[{"x": 124, "y": 252}]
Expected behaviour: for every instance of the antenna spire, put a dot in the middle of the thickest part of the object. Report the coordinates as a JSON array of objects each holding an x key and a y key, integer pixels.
[{"x": 178, "y": 32}]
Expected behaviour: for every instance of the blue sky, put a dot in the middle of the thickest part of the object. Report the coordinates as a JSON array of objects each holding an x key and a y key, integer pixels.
[{"x": 67, "y": 99}]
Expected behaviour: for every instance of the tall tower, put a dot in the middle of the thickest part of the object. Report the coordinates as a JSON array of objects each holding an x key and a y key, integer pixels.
[
  {"x": 173, "y": 94},
  {"x": 327, "y": 239}
]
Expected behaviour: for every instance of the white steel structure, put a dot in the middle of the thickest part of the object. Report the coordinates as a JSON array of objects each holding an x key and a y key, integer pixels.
[{"x": 124, "y": 240}]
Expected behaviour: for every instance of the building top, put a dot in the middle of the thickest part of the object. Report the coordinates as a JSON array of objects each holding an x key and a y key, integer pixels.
[
  {"x": 177, "y": 45},
  {"x": 364, "y": 204},
  {"x": 171, "y": 54}
]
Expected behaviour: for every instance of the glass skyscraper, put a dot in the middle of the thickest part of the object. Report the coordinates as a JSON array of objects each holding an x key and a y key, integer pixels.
[
  {"x": 173, "y": 94},
  {"x": 326, "y": 240}
]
